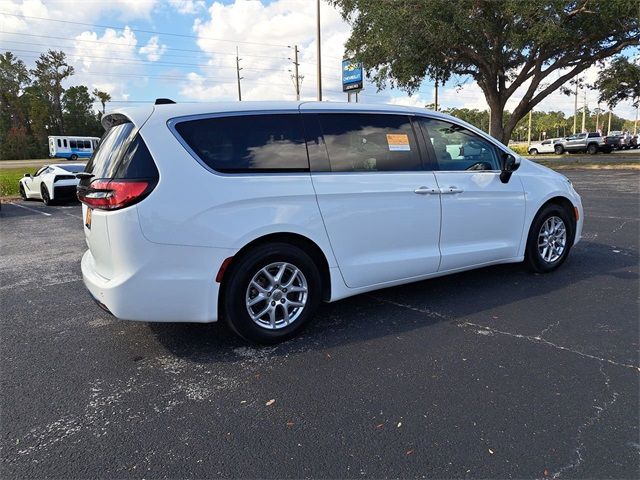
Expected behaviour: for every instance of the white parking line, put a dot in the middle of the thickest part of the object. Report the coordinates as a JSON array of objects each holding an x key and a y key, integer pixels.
[{"x": 31, "y": 209}]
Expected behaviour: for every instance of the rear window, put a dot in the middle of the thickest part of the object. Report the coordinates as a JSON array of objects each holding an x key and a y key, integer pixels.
[
  {"x": 248, "y": 143},
  {"x": 73, "y": 168},
  {"x": 122, "y": 153}
]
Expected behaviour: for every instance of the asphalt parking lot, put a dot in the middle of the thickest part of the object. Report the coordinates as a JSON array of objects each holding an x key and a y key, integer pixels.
[{"x": 492, "y": 373}]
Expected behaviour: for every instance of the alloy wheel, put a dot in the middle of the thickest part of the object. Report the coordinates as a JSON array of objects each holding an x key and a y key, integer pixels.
[
  {"x": 552, "y": 239},
  {"x": 276, "y": 295}
]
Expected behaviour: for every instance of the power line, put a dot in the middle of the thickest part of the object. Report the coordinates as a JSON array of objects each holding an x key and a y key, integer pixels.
[
  {"x": 132, "y": 45},
  {"x": 151, "y": 63},
  {"x": 152, "y": 32}
]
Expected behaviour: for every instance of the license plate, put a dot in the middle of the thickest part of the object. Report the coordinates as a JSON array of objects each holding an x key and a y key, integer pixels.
[{"x": 87, "y": 220}]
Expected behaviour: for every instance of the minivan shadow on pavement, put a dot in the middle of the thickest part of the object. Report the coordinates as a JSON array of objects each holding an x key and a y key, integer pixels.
[{"x": 517, "y": 294}]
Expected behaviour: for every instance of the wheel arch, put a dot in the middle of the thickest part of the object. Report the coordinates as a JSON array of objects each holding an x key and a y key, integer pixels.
[
  {"x": 563, "y": 202},
  {"x": 300, "y": 241}
]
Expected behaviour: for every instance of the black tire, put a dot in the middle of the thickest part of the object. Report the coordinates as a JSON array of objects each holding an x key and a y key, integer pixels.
[
  {"x": 236, "y": 288},
  {"x": 46, "y": 198},
  {"x": 23, "y": 194},
  {"x": 558, "y": 149},
  {"x": 73, "y": 157},
  {"x": 533, "y": 151},
  {"x": 533, "y": 256},
  {"x": 592, "y": 149}
]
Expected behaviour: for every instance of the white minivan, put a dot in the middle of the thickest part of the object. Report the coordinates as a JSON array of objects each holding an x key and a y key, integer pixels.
[{"x": 254, "y": 212}]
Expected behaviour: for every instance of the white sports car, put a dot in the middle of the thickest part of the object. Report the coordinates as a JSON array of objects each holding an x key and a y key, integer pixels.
[{"x": 51, "y": 182}]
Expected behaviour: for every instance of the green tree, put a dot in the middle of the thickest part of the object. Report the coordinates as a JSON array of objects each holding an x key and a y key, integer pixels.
[
  {"x": 619, "y": 82},
  {"x": 79, "y": 117},
  {"x": 103, "y": 97},
  {"x": 14, "y": 77},
  {"x": 51, "y": 70},
  {"x": 502, "y": 44}
]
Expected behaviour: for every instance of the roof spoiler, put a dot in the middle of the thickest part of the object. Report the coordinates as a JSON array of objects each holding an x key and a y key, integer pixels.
[{"x": 163, "y": 101}]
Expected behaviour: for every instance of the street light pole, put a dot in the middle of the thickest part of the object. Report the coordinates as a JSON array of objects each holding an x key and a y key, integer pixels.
[
  {"x": 318, "y": 40},
  {"x": 436, "y": 95},
  {"x": 584, "y": 111},
  {"x": 575, "y": 110}
]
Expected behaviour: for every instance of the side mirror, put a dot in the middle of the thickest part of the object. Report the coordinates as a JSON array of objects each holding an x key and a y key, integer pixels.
[
  {"x": 27, "y": 175},
  {"x": 509, "y": 165}
]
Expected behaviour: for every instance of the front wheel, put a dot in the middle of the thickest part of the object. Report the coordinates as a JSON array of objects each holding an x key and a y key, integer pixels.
[
  {"x": 533, "y": 151},
  {"x": 23, "y": 194},
  {"x": 550, "y": 239},
  {"x": 271, "y": 293},
  {"x": 73, "y": 157}
]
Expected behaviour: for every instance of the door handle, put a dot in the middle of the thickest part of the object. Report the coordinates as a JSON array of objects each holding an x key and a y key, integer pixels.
[
  {"x": 425, "y": 190},
  {"x": 451, "y": 190}
]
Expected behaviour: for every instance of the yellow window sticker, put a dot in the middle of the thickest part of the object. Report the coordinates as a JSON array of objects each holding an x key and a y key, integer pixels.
[{"x": 398, "y": 142}]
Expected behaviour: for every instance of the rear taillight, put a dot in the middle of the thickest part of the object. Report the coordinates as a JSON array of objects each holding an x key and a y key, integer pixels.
[{"x": 108, "y": 194}]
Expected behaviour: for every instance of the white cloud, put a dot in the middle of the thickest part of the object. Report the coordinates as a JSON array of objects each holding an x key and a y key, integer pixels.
[
  {"x": 153, "y": 50},
  {"x": 188, "y": 7},
  {"x": 108, "y": 62},
  {"x": 266, "y": 32}
]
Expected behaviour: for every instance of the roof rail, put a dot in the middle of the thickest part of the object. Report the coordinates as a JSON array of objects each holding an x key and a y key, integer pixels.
[{"x": 163, "y": 101}]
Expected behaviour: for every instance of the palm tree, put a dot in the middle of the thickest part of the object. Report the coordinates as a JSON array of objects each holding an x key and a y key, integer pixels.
[{"x": 104, "y": 97}]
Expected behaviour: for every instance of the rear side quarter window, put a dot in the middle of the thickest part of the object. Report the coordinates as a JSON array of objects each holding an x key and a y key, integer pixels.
[{"x": 248, "y": 143}]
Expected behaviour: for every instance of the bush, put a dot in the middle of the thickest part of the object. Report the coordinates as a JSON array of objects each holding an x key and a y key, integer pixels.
[{"x": 519, "y": 149}]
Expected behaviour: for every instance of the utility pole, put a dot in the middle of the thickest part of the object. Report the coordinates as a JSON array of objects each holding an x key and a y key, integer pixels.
[
  {"x": 238, "y": 75},
  {"x": 597, "y": 118},
  {"x": 436, "y": 94},
  {"x": 297, "y": 78},
  {"x": 489, "y": 126},
  {"x": 584, "y": 111},
  {"x": 529, "y": 132},
  {"x": 319, "y": 73},
  {"x": 575, "y": 110},
  {"x": 635, "y": 124},
  {"x": 609, "y": 125}
]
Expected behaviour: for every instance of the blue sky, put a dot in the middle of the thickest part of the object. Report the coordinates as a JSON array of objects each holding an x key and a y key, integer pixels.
[{"x": 185, "y": 50}]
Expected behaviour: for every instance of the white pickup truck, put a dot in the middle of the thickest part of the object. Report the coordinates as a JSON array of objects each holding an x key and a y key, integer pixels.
[{"x": 590, "y": 143}]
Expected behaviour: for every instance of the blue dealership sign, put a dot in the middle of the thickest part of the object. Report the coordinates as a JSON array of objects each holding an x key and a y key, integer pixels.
[{"x": 351, "y": 76}]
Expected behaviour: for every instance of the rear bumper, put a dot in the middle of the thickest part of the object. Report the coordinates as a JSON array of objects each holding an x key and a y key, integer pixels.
[
  {"x": 65, "y": 192},
  {"x": 166, "y": 286}
]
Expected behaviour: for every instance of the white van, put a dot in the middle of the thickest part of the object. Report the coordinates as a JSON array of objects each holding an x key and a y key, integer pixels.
[
  {"x": 255, "y": 212},
  {"x": 72, "y": 148}
]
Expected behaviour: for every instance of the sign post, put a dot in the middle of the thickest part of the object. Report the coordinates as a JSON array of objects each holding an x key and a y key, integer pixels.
[{"x": 352, "y": 78}]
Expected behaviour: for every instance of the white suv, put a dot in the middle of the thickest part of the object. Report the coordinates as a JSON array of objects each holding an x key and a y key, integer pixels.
[{"x": 255, "y": 212}]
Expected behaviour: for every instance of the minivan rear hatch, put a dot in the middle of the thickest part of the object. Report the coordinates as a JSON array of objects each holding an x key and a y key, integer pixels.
[{"x": 120, "y": 173}]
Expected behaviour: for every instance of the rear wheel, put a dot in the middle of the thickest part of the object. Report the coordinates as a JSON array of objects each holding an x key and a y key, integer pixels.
[
  {"x": 592, "y": 149},
  {"x": 550, "y": 239},
  {"x": 46, "y": 198},
  {"x": 271, "y": 293},
  {"x": 73, "y": 157},
  {"x": 558, "y": 149}
]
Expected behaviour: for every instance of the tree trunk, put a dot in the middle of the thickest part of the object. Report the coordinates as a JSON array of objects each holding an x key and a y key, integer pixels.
[{"x": 496, "y": 127}]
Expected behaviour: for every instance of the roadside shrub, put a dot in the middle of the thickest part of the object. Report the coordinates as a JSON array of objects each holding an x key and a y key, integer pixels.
[{"x": 519, "y": 149}]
